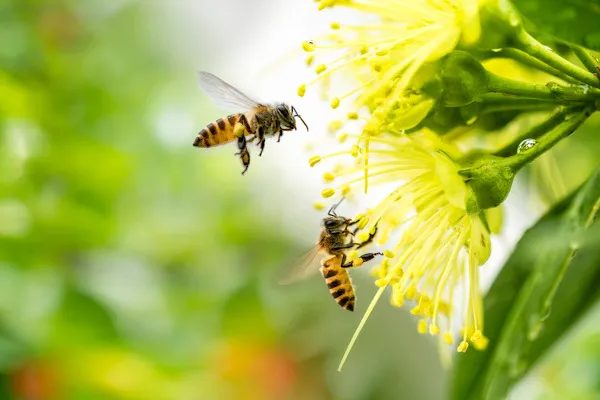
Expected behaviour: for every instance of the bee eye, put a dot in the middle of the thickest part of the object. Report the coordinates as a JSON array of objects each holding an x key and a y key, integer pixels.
[
  {"x": 329, "y": 223},
  {"x": 282, "y": 109}
]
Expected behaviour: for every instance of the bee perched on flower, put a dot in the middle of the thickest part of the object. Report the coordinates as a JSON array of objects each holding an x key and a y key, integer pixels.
[{"x": 418, "y": 72}]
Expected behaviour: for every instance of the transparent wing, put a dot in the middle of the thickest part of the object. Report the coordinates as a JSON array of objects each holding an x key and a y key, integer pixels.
[
  {"x": 305, "y": 266},
  {"x": 223, "y": 94}
]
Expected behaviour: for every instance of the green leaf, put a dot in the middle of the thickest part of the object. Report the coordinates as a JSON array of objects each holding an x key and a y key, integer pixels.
[
  {"x": 575, "y": 21},
  {"x": 547, "y": 284}
]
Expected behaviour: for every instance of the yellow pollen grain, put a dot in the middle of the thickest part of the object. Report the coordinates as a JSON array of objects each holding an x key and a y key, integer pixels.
[
  {"x": 481, "y": 344},
  {"x": 309, "y": 60},
  {"x": 345, "y": 190},
  {"x": 434, "y": 330},
  {"x": 411, "y": 293},
  {"x": 363, "y": 236},
  {"x": 320, "y": 68},
  {"x": 364, "y": 220},
  {"x": 308, "y": 45},
  {"x": 382, "y": 53},
  {"x": 352, "y": 115},
  {"x": 353, "y": 254},
  {"x": 355, "y": 151},
  {"x": 327, "y": 192},
  {"x": 342, "y": 137},
  {"x": 422, "y": 326},
  {"x": 328, "y": 177},
  {"x": 335, "y": 25},
  {"x": 335, "y": 126},
  {"x": 389, "y": 254},
  {"x": 475, "y": 336},
  {"x": 319, "y": 205},
  {"x": 397, "y": 299},
  {"x": 462, "y": 347},
  {"x": 447, "y": 337},
  {"x": 334, "y": 103},
  {"x": 301, "y": 90},
  {"x": 357, "y": 262},
  {"x": 314, "y": 160},
  {"x": 381, "y": 282}
]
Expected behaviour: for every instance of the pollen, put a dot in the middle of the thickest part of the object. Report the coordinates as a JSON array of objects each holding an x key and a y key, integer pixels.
[
  {"x": 335, "y": 126},
  {"x": 308, "y": 45},
  {"x": 334, "y": 103},
  {"x": 320, "y": 68},
  {"x": 342, "y": 137},
  {"x": 319, "y": 206},
  {"x": 462, "y": 347},
  {"x": 434, "y": 330},
  {"x": 363, "y": 236},
  {"x": 327, "y": 192},
  {"x": 301, "y": 90},
  {"x": 309, "y": 60},
  {"x": 448, "y": 338},
  {"x": 422, "y": 326},
  {"x": 335, "y": 25},
  {"x": 328, "y": 177},
  {"x": 314, "y": 160},
  {"x": 352, "y": 115},
  {"x": 389, "y": 253}
]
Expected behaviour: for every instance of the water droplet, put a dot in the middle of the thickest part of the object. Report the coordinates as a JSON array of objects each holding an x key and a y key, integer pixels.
[
  {"x": 471, "y": 120},
  {"x": 497, "y": 50},
  {"x": 548, "y": 48},
  {"x": 526, "y": 145}
]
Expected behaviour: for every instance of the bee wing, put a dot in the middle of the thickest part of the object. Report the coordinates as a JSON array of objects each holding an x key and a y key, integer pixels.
[
  {"x": 223, "y": 94},
  {"x": 305, "y": 266}
]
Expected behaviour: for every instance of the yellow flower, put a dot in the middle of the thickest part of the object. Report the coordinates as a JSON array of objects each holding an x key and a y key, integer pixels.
[
  {"x": 434, "y": 246},
  {"x": 385, "y": 56}
]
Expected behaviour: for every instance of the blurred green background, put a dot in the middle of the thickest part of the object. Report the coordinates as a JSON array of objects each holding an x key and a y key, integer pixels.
[{"x": 133, "y": 266}]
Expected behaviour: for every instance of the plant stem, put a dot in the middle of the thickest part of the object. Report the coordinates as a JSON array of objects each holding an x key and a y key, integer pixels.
[
  {"x": 531, "y": 46},
  {"x": 586, "y": 58},
  {"x": 550, "y": 91},
  {"x": 535, "y": 132},
  {"x": 546, "y": 142},
  {"x": 526, "y": 59}
]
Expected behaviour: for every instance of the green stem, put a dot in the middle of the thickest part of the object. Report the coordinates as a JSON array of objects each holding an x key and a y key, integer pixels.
[
  {"x": 586, "y": 58},
  {"x": 546, "y": 142},
  {"x": 533, "y": 105},
  {"x": 526, "y": 59},
  {"x": 550, "y": 91},
  {"x": 557, "y": 117},
  {"x": 531, "y": 46}
]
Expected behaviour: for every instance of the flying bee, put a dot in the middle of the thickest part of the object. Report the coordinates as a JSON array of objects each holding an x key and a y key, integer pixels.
[
  {"x": 253, "y": 121},
  {"x": 335, "y": 240}
]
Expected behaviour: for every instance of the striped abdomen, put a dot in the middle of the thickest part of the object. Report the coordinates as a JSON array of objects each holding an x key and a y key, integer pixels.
[
  {"x": 218, "y": 132},
  {"x": 338, "y": 281}
]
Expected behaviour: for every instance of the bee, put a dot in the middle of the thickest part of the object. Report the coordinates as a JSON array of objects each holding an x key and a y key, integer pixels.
[
  {"x": 335, "y": 240},
  {"x": 253, "y": 121}
]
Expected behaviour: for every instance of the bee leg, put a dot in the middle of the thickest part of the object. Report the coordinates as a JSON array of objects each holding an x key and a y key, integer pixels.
[
  {"x": 261, "y": 140},
  {"x": 369, "y": 240},
  {"x": 280, "y": 135},
  {"x": 344, "y": 246},
  {"x": 243, "y": 153},
  {"x": 363, "y": 258}
]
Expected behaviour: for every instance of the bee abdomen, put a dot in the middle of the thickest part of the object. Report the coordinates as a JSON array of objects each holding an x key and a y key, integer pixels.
[
  {"x": 218, "y": 132},
  {"x": 339, "y": 284}
]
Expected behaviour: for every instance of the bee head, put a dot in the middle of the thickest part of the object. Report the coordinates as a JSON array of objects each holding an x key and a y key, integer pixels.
[
  {"x": 333, "y": 223},
  {"x": 287, "y": 117}
]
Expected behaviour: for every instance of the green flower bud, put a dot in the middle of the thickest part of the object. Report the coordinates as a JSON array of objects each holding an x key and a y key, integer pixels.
[
  {"x": 463, "y": 78},
  {"x": 490, "y": 180}
]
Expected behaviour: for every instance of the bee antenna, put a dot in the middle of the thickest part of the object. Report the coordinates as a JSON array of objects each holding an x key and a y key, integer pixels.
[
  {"x": 298, "y": 115},
  {"x": 333, "y": 208}
]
